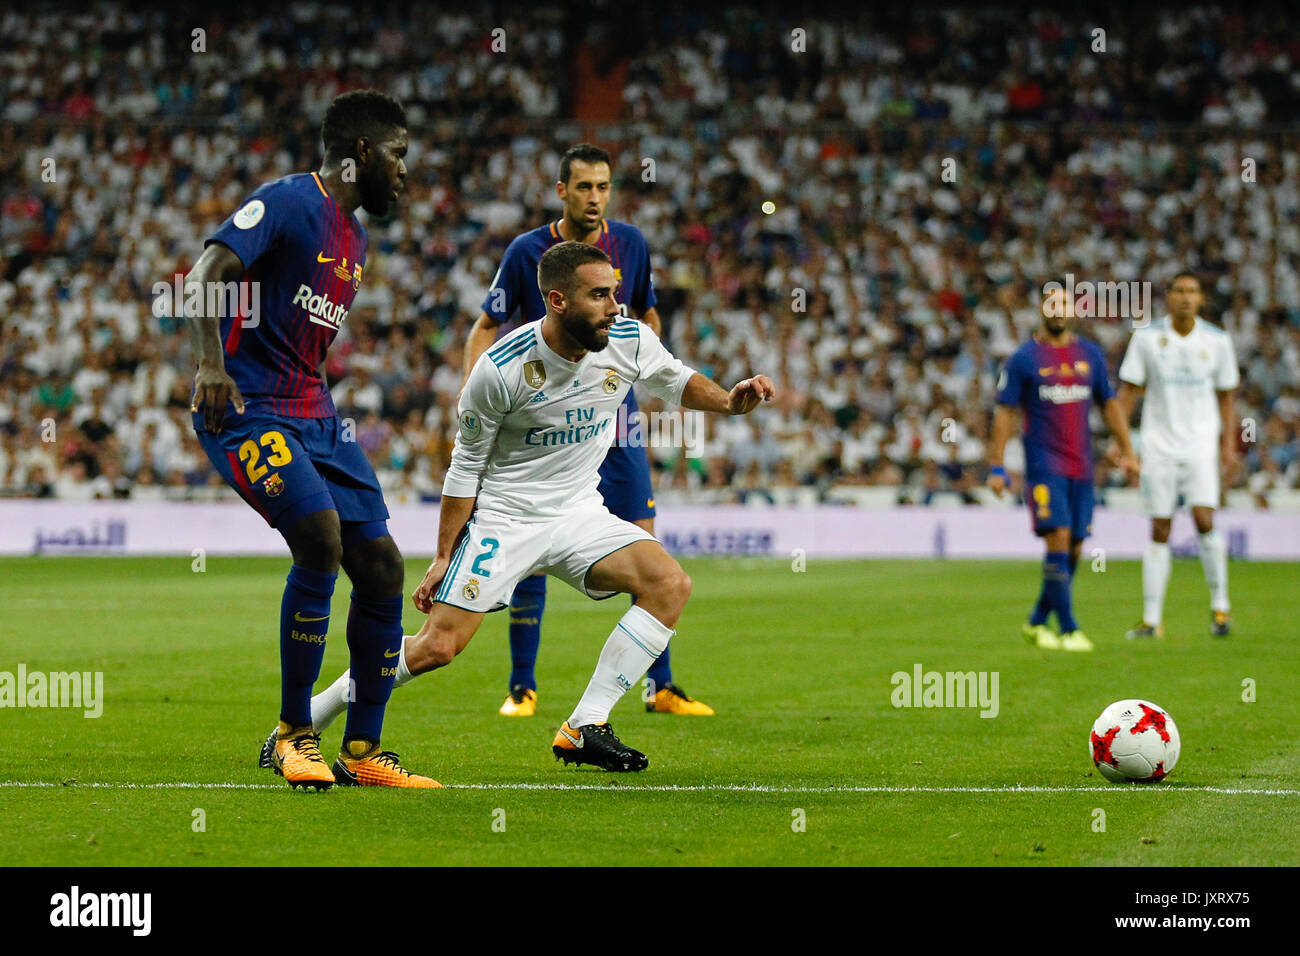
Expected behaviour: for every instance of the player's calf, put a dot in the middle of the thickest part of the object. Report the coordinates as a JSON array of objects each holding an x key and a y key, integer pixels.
[{"x": 445, "y": 633}]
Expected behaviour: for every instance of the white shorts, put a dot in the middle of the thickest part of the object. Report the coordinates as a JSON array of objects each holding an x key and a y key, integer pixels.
[
  {"x": 1164, "y": 479},
  {"x": 498, "y": 551}
]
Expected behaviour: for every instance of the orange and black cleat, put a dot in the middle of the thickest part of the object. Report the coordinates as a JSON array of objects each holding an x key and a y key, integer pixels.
[
  {"x": 596, "y": 744},
  {"x": 362, "y": 764},
  {"x": 295, "y": 755}
]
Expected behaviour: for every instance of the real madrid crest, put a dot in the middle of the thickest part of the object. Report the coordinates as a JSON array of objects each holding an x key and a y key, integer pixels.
[
  {"x": 470, "y": 590},
  {"x": 611, "y": 381},
  {"x": 535, "y": 374},
  {"x": 1164, "y": 340}
]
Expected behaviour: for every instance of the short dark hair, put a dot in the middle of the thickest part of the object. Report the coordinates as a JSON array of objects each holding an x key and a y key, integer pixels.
[
  {"x": 350, "y": 116},
  {"x": 1188, "y": 274},
  {"x": 583, "y": 153},
  {"x": 559, "y": 265}
]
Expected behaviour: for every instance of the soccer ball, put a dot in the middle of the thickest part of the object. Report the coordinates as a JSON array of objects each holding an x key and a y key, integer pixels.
[{"x": 1134, "y": 741}]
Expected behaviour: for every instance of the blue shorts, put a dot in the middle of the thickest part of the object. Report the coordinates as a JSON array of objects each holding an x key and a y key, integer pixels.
[
  {"x": 625, "y": 478},
  {"x": 282, "y": 465},
  {"x": 1057, "y": 502}
]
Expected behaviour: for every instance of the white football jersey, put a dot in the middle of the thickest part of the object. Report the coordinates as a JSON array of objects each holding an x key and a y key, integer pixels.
[
  {"x": 1181, "y": 374},
  {"x": 535, "y": 428}
]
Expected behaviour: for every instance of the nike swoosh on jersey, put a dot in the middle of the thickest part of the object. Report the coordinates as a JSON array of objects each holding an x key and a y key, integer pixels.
[
  {"x": 298, "y": 617},
  {"x": 320, "y": 257},
  {"x": 392, "y": 653}
]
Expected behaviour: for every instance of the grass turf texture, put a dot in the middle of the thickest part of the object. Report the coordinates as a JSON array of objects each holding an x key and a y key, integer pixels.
[{"x": 797, "y": 664}]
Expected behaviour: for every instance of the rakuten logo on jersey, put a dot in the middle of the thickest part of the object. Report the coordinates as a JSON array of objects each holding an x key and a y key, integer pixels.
[
  {"x": 1064, "y": 394},
  {"x": 319, "y": 307}
]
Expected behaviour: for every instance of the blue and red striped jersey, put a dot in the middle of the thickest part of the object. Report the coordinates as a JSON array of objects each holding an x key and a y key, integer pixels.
[
  {"x": 1055, "y": 386},
  {"x": 306, "y": 256},
  {"x": 514, "y": 289}
]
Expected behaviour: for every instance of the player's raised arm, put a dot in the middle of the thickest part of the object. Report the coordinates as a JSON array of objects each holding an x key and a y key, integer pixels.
[
  {"x": 705, "y": 395},
  {"x": 666, "y": 377},
  {"x": 213, "y": 387}
]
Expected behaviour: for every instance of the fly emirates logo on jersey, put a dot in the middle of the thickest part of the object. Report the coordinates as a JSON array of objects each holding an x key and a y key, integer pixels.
[
  {"x": 579, "y": 426},
  {"x": 320, "y": 308}
]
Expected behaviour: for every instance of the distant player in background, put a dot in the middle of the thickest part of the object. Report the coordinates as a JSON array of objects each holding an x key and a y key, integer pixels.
[
  {"x": 1188, "y": 371},
  {"x": 283, "y": 448},
  {"x": 1054, "y": 378},
  {"x": 584, "y": 187}
]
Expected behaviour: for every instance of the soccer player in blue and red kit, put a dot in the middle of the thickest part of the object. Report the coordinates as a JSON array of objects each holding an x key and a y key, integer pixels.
[
  {"x": 1055, "y": 377},
  {"x": 584, "y": 188},
  {"x": 263, "y": 413}
]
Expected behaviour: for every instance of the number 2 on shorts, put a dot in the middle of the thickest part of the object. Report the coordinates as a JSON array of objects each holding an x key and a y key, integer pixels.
[{"x": 491, "y": 544}]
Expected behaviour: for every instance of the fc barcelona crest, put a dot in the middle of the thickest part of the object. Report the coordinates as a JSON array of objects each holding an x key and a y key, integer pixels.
[
  {"x": 273, "y": 485},
  {"x": 611, "y": 381},
  {"x": 356, "y": 277},
  {"x": 535, "y": 374}
]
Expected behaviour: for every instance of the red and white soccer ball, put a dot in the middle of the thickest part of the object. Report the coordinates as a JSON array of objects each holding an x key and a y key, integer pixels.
[{"x": 1134, "y": 741}]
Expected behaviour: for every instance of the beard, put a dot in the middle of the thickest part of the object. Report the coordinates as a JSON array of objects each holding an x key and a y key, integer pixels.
[
  {"x": 590, "y": 338},
  {"x": 376, "y": 196}
]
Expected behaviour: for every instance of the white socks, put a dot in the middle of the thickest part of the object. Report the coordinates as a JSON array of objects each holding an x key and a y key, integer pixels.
[
  {"x": 333, "y": 700},
  {"x": 1155, "y": 578},
  {"x": 637, "y": 640},
  {"x": 1214, "y": 561}
]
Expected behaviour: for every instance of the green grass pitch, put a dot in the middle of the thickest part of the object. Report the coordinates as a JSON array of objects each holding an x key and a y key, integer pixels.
[{"x": 797, "y": 664}]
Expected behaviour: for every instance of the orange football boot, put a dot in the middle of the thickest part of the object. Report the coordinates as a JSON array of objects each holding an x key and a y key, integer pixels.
[
  {"x": 362, "y": 764},
  {"x": 296, "y": 757}
]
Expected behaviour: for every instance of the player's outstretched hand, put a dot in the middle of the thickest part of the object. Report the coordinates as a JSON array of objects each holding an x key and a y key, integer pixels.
[
  {"x": 749, "y": 394},
  {"x": 213, "y": 388},
  {"x": 423, "y": 596}
]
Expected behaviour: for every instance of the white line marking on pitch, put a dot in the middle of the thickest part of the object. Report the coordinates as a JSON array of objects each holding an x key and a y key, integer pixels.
[{"x": 677, "y": 788}]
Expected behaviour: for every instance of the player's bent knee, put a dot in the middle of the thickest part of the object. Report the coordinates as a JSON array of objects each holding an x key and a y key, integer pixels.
[
  {"x": 316, "y": 542},
  {"x": 676, "y": 588}
]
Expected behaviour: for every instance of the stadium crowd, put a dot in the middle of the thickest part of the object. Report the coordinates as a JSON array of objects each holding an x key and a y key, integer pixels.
[{"x": 927, "y": 170}]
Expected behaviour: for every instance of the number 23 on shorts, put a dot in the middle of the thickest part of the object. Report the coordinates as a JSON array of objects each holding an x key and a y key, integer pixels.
[{"x": 250, "y": 453}]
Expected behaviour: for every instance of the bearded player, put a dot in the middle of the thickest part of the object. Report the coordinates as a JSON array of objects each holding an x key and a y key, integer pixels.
[
  {"x": 584, "y": 187},
  {"x": 264, "y": 416},
  {"x": 1185, "y": 370},
  {"x": 537, "y": 416},
  {"x": 1055, "y": 378}
]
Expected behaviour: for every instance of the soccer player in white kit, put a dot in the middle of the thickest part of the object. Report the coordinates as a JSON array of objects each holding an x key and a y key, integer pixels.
[
  {"x": 537, "y": 415},
  {"x": 1187, "y": 369}
]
